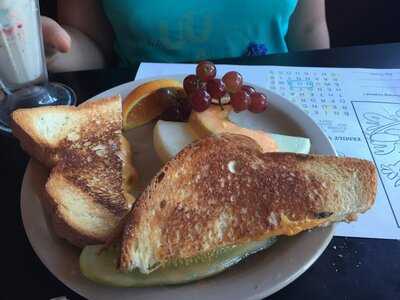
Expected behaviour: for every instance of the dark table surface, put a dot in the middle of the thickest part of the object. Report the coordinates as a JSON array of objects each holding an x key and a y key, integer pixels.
[{"x": 350, "y": 268}]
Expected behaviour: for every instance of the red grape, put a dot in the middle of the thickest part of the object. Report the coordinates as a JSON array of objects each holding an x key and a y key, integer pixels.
[
  {"x": 200, "y": 100},
  {"x": 192, "y": 83},
  {"x": 240, "y": 101},
  {"x": 216, "y": 88},
  {"x": 258, "y": 102},
  {"x": 233, "y": 81},
  {"x": 249, "y": 89},
  {"x": 206, "y": 70}
]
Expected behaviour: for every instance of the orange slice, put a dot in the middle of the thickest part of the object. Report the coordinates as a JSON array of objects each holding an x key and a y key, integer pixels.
[{"x": 146, "y": 102}]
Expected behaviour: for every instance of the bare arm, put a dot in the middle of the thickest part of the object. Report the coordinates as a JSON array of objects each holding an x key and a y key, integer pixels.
[
  {"x": 308, "y": 28},
  {"x": 83, "y": 41},
  {"x": 88, "y": 17}
]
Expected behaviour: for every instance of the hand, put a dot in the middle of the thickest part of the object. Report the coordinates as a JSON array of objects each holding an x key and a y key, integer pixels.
[
  {"x": 68, "y": 49},
  {"x": 54, "y": 36}
]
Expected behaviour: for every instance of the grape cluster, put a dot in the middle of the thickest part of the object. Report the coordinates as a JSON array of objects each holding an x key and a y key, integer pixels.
[{"x": 203, "y": 87}]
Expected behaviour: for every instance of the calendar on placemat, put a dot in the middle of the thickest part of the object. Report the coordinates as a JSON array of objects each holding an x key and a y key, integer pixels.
[
  {"x": 359, "y": 111},
  {"x": 317, "y": 92}
]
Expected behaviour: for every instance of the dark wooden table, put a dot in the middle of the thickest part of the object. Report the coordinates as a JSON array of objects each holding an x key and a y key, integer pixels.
[{"x": 350, "y": 268}]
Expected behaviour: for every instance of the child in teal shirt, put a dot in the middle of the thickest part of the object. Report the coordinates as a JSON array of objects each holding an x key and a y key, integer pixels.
[{"x": 191, "y": 30}]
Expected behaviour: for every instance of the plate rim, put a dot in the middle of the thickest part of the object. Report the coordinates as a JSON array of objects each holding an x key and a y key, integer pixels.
[{"x": 131, "y": 84}]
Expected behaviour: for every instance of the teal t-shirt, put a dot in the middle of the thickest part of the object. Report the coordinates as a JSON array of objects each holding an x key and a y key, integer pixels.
[{"x": 191, "y": 30}]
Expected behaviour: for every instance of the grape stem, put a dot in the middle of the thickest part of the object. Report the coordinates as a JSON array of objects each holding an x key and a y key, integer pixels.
[{"x": 220, "y": 104}]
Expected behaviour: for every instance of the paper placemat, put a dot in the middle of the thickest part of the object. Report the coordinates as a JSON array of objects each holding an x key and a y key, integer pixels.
[{"x": 359, "y": 110}]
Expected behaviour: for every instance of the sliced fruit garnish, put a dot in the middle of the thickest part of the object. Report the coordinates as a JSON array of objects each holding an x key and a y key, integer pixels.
[
  {"x": 171, "y": 137},
  {"x": 214, "y": 121},
  {"x": 148, "y": 101}
]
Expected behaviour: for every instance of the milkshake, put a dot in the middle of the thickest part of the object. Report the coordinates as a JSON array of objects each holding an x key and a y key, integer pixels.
[
  {"x": 21, "y": 53},
  {"x": 23, "y": 73}
]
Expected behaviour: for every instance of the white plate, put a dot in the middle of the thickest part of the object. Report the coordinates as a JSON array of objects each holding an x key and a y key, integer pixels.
[{"x": 258, "y": 276}]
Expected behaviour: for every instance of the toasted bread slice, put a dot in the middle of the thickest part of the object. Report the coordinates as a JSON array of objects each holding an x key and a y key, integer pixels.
[
  {"x": 223, "y": 191},
  {"x": 92, "y": 173}
]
